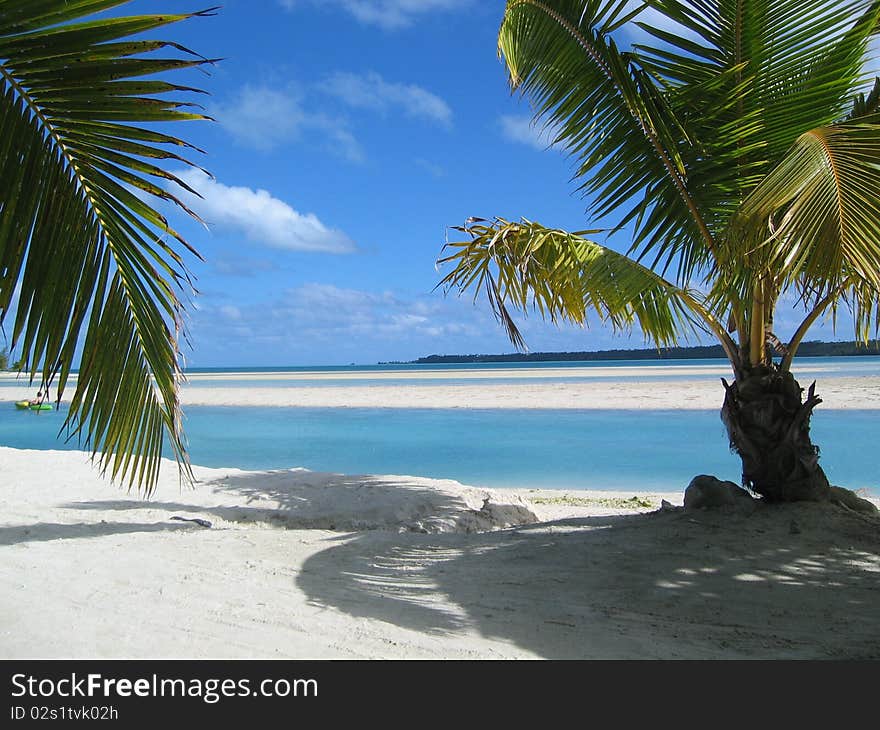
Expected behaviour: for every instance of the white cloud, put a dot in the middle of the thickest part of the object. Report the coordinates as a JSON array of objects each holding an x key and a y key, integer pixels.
[
  {"x": 329, "y": 312},
  {"x": 230, "y": 312},
  {"x": 325, "y": 310},
  {"x": 336, "y": 301},
  {"x": 387, "y": 14},
  {"x": 521, "y": 129},
  {"x": 338, "y": 138},
  {"x": 370, "y": 91},
  {"x": 325, "y": 314},
  {"x": 261, "y": 117},
  {"x": 267, "y": 118},
  {"x": 260, "y": 216}
]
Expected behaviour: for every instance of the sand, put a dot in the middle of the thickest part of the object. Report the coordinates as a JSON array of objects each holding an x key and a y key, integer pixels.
[
  {"x": 634, "y": 392},
  {"x": 838, "y": 393},
  {"x": 303, "y": 565}
]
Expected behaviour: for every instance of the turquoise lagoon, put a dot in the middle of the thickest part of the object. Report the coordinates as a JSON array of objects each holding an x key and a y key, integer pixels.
[
  {"x": 571, "y": 449},
  {"x": 564, "y": 449}
]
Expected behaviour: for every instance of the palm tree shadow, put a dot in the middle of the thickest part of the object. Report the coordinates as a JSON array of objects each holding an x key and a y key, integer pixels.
[
  {"x": 228, "y": 514},
  {"x": 646, "y": 586},
  {"x": 48, "y": 531},
  {"x": 300, "y": 499}
]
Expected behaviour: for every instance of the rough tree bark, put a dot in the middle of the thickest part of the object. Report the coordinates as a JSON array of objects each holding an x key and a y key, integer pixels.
[{"x": 768, "y": 423}]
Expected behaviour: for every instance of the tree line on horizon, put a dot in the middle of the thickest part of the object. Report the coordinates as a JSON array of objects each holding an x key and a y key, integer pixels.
[{"x": 809, "y": 348}]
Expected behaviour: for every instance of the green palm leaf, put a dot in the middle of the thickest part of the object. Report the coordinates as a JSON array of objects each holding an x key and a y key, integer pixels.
[
  {"x": 761, "y": 75},
  {"x": 565, "y": 276},
  {"x": 813, "y": 221},
  {"x": 822, "y": 203},
  {"x": 90, "y": 255},
  {"x": 611, "y": 115}
]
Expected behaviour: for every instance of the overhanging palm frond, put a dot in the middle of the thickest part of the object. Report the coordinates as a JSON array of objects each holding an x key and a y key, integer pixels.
[
  {"x": 817, "y": 211},
  {"x": 76, "y": 166},
  {"x": 564, "y": 276},
  {"x": 749, "y": 78},
  {"x": 611, "y": 116}
]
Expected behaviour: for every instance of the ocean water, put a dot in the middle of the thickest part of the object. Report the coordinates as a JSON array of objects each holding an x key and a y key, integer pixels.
[
  {"x": 513, "y": 373},
  {"x": 657, "y": 450},
  {"x": 861, "y": 364}
]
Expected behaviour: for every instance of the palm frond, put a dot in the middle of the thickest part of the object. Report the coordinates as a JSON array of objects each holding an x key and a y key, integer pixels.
[
  {"x": 814, "y": 219},
  {"x": 564, "y": 277},
  {"x": 91, "y": 256},
  {"x": 759, "y": 75},
  {"x": 610, "y": 115}
]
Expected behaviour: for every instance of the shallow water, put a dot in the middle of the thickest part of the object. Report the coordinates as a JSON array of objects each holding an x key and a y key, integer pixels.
[{"x": 645, "y": 450}]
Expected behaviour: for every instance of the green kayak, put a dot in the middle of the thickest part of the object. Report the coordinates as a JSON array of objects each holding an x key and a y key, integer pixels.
[{"x": 25, "y": 405}]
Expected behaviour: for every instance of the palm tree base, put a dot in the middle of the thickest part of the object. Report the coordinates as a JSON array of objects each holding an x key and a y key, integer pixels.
[{"x": 768, "y": 423}]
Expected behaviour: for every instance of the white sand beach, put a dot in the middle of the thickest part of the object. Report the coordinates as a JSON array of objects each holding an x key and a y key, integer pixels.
[
  {"x": 839, "y": 393},
  {"x": 297, "y": 564},
  {"x": 635, "y": 392}
]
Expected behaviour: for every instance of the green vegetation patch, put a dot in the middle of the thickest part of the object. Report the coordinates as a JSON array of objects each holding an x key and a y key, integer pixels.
[{"x": 609, "y": 502}]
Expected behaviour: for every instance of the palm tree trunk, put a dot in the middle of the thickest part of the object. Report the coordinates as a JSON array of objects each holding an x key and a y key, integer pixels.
[{"x": 768, "y": 423}]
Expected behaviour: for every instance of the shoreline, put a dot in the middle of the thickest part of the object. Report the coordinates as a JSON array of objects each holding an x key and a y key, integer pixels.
[
  {"x": 303, "y": 565},
  {"x": 838, "y": 393}
]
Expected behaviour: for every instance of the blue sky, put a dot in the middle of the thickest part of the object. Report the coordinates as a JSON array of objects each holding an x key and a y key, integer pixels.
[{"x": 350, "y": 134}]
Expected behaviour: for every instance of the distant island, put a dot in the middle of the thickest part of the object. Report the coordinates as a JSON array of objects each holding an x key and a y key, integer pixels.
[{"x": 812, "y": 348}]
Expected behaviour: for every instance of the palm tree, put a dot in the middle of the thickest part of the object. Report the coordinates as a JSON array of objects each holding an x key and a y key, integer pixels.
[
  {"x": 741, "y": 151},
  {"x": 80, "y": 237}
]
